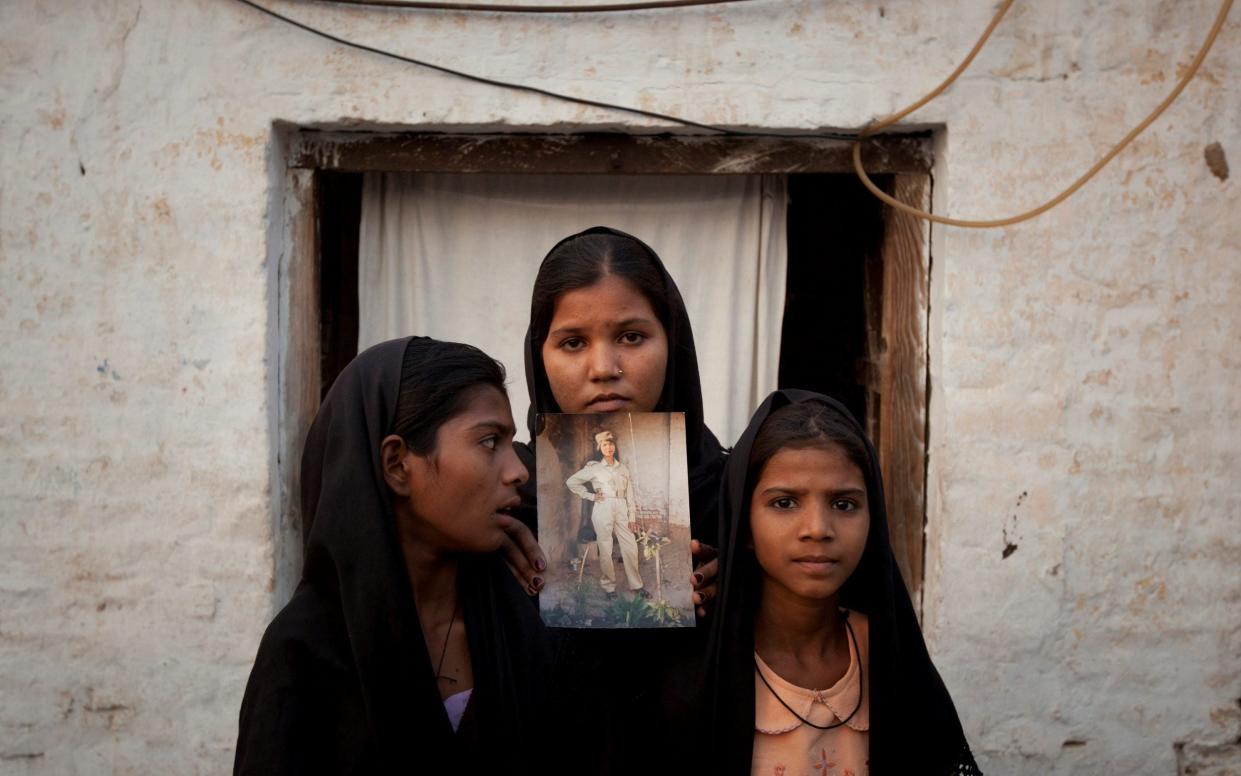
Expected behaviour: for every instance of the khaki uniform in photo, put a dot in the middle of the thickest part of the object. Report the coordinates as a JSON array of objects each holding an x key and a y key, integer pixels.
[{"x": 611, "y": 517}]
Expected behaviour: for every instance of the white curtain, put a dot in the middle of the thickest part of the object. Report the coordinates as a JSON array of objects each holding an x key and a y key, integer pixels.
[{"x": 453, "y": 256}]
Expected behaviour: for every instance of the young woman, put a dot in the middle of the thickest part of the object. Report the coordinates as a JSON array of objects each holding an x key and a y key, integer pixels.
[
  {"x": 408, "y": 647},
  {"x": 608, "y": 333},
  {"x": 614, "y": 512},
  {"x": 815, "y": 663}
]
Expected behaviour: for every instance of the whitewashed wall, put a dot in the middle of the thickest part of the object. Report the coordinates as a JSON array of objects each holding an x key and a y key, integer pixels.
[{"x": 1085, "y": 367}]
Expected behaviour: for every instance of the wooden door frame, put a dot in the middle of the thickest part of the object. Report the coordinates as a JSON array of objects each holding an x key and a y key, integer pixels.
[{"x": 897, "y": 374}]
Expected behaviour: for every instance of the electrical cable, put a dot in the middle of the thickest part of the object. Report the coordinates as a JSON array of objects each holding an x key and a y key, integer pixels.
[
  {"x": 429, "y": 5},
  {"x": 884, "y": 123},
  {"x": 1225, "y": 7},
  {"x": 542, "y": 92},
  {"x": 856, "y": 138}
]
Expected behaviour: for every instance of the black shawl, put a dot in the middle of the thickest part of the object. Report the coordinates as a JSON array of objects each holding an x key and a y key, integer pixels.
[
  {"x": 913, "y": 724},
  {"x": 682, "y": 393},
  {"x": 620, "y": 668},
  {"x": 343, "y": 683}
]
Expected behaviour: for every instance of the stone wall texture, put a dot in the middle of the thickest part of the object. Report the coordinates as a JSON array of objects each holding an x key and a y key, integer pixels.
[{"x": 1085, "y": 367}]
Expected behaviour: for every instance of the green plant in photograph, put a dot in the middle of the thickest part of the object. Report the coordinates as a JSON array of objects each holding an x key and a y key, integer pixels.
[
  {"x": 626, "y": 612},
  {"x": 651, "y": 543},
  {"x": 665, "y": 613},
  {"x": 558, "y": 617},
  {"x": 579, "y": 595}
]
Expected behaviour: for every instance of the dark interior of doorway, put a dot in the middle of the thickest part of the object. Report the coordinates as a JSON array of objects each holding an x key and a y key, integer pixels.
[
  {"x": 835, "y": 232},
  {"x": 832, "y": 302}
]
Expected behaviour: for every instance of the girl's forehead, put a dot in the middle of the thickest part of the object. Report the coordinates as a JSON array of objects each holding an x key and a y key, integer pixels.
[
  {"x": 486, "y": 404},
  {"x": 611, "y": 298},
  {"x": 821, "y": 462}
]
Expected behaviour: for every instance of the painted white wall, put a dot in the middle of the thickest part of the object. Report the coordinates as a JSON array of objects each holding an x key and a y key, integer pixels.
[{"x": 1085, "y": 366}]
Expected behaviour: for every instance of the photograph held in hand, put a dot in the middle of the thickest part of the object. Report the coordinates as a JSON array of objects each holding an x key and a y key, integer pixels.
[{"x": 614, "y": 520}]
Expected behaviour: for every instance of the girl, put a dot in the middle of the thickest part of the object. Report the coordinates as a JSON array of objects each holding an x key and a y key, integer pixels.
[
  {"x": 609, "y": 333},
  {"x": 815, "y": 663},
  {"x": 408, "y": 646}
]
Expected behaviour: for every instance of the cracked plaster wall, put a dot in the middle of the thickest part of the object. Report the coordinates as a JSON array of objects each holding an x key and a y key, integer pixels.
[{"x": 1083, "y": 597}]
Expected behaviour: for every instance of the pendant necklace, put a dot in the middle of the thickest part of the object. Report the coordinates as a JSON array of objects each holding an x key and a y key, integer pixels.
[
  {"x": 860, "y": 687},
  {"x": 444, "y": 652}
]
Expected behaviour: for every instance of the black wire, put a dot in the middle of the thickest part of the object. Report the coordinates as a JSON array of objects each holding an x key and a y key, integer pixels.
[
  {"x": 860, "y": 686},
  {"x": 428, "y": 5},
  {"x": 542, "y": 92},
  {"x": 443, "y": 652}
]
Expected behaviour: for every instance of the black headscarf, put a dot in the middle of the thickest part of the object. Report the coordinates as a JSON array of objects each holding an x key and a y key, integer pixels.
[
  {"x": 610, "y": 742},
  {"x": 343, "y": 682},
  {"x": 682, "y": 393},
  {"x": 914, "y": 726}
]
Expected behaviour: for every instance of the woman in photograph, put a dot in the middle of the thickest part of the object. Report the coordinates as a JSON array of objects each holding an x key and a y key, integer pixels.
[
  {"x": 609, "y": 333},
  {"x": 815, "y": 662},
  {"x": 408, "y": 646},
  {"x": 614, "y": 513}
]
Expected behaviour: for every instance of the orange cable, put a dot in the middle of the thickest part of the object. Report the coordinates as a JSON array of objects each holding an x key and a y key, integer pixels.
[
  {"x": 1225, "y": 7},
  {"x": 876, "y": 126}
]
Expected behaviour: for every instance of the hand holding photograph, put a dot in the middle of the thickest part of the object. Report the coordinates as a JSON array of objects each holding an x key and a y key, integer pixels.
[{"x": 614, "y": 520}]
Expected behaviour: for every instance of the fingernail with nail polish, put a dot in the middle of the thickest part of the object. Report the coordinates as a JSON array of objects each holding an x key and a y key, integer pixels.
[{"x": 698, "y": 579}]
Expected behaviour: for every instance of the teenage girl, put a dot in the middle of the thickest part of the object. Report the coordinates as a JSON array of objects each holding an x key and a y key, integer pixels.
[
  {"x": 609, "y": 333},
  {"x": 407, "y": 647},
  {"x": 815, "y": 663}
]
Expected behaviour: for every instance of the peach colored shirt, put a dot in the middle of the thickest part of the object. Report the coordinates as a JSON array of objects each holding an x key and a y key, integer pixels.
[{"x": 784, "y": 746}]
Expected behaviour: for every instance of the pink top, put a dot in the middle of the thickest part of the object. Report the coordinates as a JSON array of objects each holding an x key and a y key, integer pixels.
[{"x": 784, "y": 746}]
